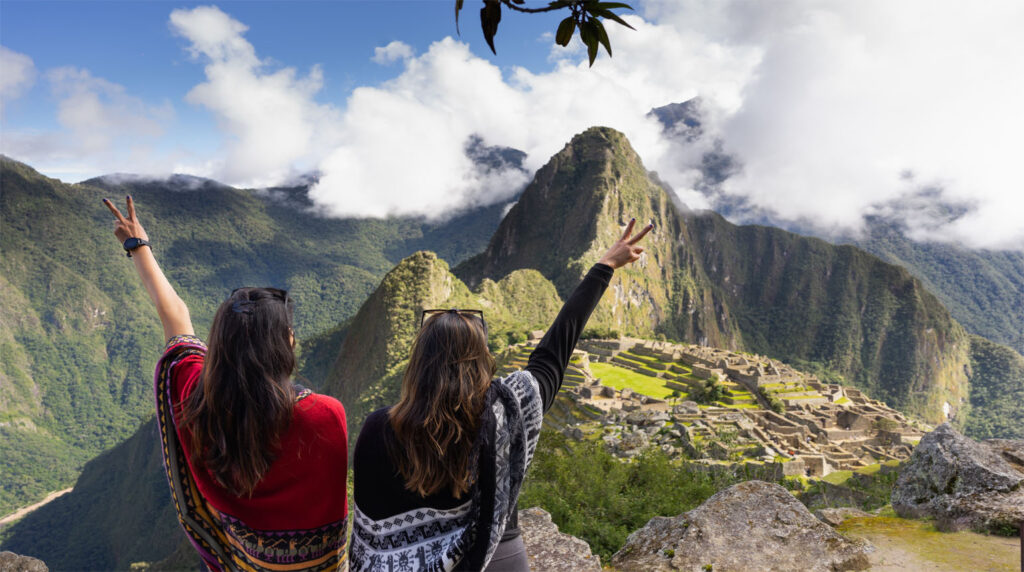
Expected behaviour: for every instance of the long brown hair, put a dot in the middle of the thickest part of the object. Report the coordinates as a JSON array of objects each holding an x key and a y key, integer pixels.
[
  {"x": 443, "y": 394},
  {"x": 243, "y": 404}
]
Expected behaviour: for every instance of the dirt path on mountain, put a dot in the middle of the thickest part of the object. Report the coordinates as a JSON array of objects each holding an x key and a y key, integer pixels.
[
  {"x": 23, "y": 511},
  {"x": 902, "y": 545}
]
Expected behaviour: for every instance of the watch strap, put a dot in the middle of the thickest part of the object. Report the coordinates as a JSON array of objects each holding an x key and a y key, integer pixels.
[{"x": 132, "y": 243}]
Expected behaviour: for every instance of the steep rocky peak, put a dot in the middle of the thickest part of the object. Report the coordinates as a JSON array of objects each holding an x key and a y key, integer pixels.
[{"x": 576, "y": 206}]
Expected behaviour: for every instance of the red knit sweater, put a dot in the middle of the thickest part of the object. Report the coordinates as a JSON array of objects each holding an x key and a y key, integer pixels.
[{"x": 305, "y": 486}]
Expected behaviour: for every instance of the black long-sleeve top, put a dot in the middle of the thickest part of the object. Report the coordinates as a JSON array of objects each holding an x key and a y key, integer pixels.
[{"x": 379, "y": 489}]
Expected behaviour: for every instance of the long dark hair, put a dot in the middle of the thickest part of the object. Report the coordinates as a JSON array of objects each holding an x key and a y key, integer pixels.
[
  {"x": 243, "y": 404},
  {"x": 443, "y": 394}
]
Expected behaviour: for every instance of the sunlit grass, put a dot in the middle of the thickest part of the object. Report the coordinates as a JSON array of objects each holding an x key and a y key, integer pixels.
[{"x": 621, "y": 378}]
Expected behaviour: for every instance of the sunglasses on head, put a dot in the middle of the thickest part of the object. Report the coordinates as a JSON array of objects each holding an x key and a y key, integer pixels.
[
  {"x": 434, "y": 312},
  {"x": 281, "y": 295}
]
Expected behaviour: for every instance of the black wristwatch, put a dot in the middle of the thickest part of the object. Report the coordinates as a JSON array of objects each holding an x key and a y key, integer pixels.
[{"x": 133, "y": 243}]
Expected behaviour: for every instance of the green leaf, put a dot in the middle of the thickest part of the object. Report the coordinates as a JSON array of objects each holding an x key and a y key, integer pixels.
[
  {"x": 589, "y": 35},
  {"x": 613, "y": 5},
  {"x": 490, "y": 16},
  {"x": 602, "y": 36},
  {"x": 565, "y": 31},
  {"x": 559, "y": 4},
  {"x": 611, "y": 16}
]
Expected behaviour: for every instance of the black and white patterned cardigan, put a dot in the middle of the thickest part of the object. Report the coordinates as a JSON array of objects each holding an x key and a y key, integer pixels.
[{"x": 464, "y": 537}]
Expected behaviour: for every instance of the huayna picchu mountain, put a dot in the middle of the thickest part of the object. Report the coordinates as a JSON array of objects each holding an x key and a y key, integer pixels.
[{"x": 836, "y": 310}]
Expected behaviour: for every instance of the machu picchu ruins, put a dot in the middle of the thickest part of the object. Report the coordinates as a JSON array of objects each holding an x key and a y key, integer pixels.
[{"x": 632, "y": 393}]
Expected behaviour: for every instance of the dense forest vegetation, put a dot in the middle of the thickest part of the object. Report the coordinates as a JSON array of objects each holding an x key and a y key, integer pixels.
[{"x": 983, "y": 289}]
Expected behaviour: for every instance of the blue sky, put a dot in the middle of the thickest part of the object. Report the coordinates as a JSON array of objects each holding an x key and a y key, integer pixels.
[
  {"x": 131, "y": 43},
  {"x": 833, "y": 111}
]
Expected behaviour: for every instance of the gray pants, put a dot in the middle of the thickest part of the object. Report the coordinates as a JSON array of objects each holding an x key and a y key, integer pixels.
[{"x": 509, "y": 556}]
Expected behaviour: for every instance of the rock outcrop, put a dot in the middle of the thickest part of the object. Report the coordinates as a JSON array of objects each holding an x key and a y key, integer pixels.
[
  {"x": 553, "y": 551},
  {"x": 11, "y": 562},
  {"x": 963, "y": 483},
  {"x": 751, "y": 526}
]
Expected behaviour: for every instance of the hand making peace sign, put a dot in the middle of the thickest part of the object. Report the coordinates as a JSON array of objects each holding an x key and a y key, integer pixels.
[
  {"x": 625, "y": 251},
  {"x": 125, "y": 228}
]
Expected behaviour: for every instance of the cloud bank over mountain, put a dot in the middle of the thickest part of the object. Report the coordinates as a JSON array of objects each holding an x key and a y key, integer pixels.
[
  {"x": 857, "y": 107},
  {"x": 829, "y": 112}
]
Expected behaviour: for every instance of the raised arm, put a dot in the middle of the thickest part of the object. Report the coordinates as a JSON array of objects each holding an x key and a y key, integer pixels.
[
  {"x": 548, "y": 361},
  {"x": 172, "y": 310}
]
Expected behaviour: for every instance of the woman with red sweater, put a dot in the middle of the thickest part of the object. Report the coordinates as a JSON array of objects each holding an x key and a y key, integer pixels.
[{"x": 256, "y": 463}]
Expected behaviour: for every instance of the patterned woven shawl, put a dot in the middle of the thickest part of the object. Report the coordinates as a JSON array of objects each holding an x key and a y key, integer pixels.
[
  {"x": 224, "y": 542},
  {"x": 465, "y": 537}
]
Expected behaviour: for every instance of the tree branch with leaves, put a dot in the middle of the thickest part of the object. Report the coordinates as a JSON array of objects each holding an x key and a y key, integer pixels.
[{"x": 585, "y": 16}]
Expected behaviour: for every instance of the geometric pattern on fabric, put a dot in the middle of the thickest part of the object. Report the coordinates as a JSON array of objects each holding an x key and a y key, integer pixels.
[
  {"x": 225, "y": 542},
  {"x": 419, "y": 539}
]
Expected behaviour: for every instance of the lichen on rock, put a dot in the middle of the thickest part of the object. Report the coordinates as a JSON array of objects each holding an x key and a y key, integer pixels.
[
  {"x": 11, "y": 562},
  {"x": 550, "y": 550},
  {"x": 752, "y": 526},
  {"x": 963, "y": 483}
]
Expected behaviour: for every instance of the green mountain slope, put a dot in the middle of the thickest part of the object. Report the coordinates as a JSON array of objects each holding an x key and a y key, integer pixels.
[
  {"x": 119, "y": 512},
  {"x": 839, "y": 310},
  {"x": 78, "y": 336},
  {"x": 983, "y": 289},
  {"x": 997, "y": 391}
]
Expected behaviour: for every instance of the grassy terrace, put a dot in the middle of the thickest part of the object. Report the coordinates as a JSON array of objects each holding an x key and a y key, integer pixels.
[
  {"x": 637, "y": 357},
  {"x": 621, "y": 378},
  {"x": 840, "y": 477}
]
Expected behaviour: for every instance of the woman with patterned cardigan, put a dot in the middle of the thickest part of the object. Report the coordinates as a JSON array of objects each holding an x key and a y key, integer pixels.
[
  {"x": 256, "y": 463},
  {"x": 437, "y": 475}
]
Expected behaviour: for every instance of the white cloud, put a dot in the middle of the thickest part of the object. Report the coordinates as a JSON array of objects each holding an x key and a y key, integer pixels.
[
  {"x": 17, "y": 74},
  {"x": 392, "y": 52},
  {"x": 97, "y": 111},
  {"x": 274, "y": 128},
  {"x": 403, "y": 141},
  {"x": 102, "y": 128},
  {"x": 847, "y": 96}
]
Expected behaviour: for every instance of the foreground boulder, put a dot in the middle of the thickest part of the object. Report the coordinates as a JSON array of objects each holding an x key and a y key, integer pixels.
[
  {"x": 962, "y": 483},
  {"x": 553, "y": 551},
  {"x": 11, "y": 562},
  {"x": 750, "y": 526}
]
